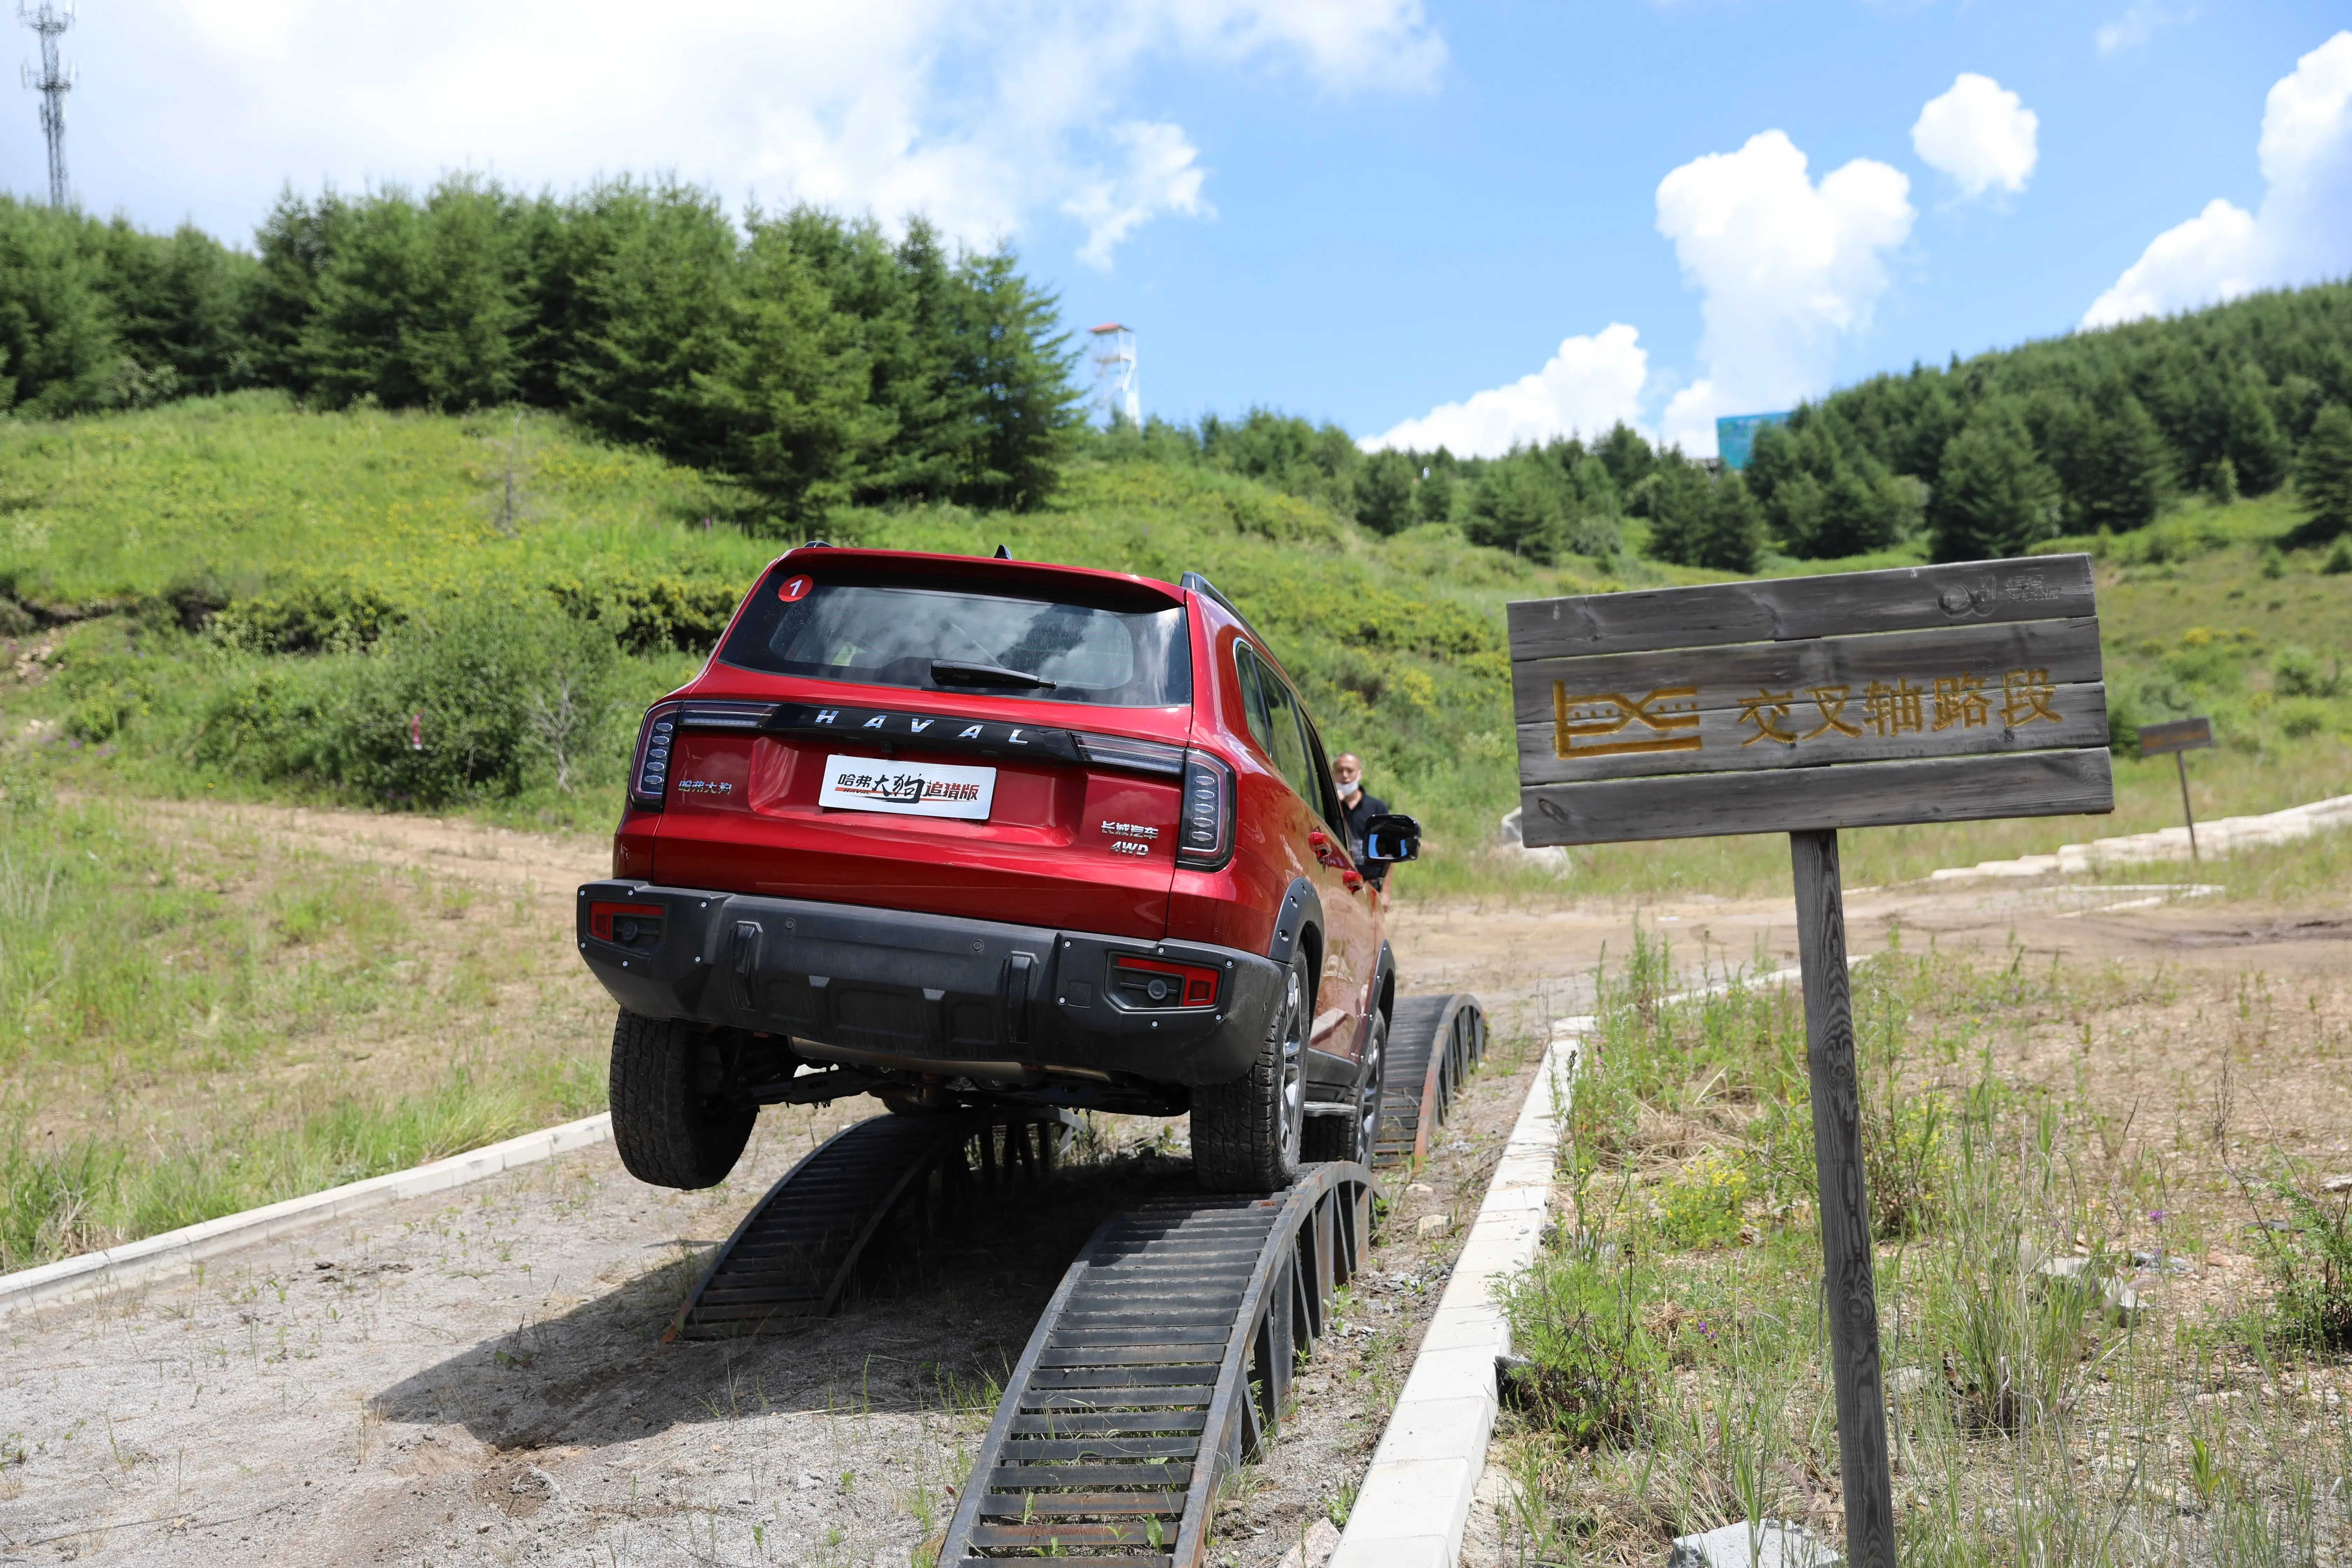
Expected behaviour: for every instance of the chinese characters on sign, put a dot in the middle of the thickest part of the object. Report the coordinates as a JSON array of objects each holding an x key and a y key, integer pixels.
[{"x": 1670, "y": 715}]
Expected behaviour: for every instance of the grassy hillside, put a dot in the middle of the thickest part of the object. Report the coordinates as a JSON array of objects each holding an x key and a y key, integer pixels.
[
  {"x": 234, "y": 597},
  {"x": 237, "y": 598}
]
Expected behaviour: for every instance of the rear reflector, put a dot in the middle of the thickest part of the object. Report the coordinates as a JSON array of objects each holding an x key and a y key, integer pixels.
[
  {"x": 631, "y": 925},
  {"x": 1204, "y": 834},
  {"x": 1153, "y": 982}
]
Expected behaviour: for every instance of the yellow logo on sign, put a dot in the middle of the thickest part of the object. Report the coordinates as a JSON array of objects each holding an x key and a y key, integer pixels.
[{"x": 1601, "y": 714}]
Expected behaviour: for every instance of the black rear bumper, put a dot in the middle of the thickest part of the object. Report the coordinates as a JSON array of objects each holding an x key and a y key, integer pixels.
[{"x": 924, "y": 993}]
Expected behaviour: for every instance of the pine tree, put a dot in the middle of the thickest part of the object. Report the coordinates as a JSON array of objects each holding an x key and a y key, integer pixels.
[
  {"x": 633, "y": 308},
  {"x": 1677, "y": 500},
  {"x": 57, "y": 325},
  {"x": 1384, "y": 499},
  {"x": 1994, "y": 497},
  {"x": 1731, "y": 530},
  {"x": 2323, "y": 474},
  {"x": 1015, "y": 366},
  {"x": 1517, "y": 505},
  {"x": 2257, "y": 449}
]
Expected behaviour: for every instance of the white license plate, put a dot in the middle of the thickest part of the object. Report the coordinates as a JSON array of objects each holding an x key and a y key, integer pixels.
[{"x": 909, "y": 789}]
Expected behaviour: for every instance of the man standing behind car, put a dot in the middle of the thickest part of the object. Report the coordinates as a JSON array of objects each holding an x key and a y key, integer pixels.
[{"x": 1347, "y": 773}]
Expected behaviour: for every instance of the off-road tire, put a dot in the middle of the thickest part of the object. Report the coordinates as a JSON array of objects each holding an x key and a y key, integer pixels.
[
  {"x": 1351, "y": 1137},
  {"x": 1246, "y": 1133},
  {"x": 669, "y": 1131}
]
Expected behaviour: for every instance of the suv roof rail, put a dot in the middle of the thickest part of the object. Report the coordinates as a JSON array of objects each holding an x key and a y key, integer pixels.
[{"x": 1194, "y": 582}]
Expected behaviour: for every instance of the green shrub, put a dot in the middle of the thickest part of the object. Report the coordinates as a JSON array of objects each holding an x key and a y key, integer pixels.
[
  {"x": 1705, "y": 1205},
  {"x": 1905, "y": 1164},
  {"x": 470, "y": 698},
  {"x": 310, "y": 618},
  {"x": 2301, "y": 718},
  {"x": 107, "y": 690},
  {"x": 2310, "y": 1258},
  {"x": 2298, "y": 672},
  {"x": 1593, "y": 1370},
  {"x": 650, "y": 614}
]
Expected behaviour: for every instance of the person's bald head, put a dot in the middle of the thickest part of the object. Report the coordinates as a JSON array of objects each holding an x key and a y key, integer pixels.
[{"x": 1347, "y": 773}]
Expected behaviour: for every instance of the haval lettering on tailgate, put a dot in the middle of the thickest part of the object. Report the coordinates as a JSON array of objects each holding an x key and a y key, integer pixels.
[{"x": 952, "y": 832}]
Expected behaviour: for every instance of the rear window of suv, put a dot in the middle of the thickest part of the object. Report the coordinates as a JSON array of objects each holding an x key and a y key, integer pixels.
[{"x": 946, "y": 635}]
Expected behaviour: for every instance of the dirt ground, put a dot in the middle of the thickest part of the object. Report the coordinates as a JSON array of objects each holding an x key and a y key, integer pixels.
[{"x": 478, "y": 1377}]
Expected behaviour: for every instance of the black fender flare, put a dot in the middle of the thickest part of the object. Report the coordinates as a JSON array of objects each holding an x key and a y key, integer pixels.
[{"x": 1302, "y": 908}]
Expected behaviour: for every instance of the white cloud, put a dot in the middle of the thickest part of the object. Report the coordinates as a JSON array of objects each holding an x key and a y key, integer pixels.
[
  {"x": 2140, "y": 22},
  {"x": 1589, "y": 385},
  {"x": 1787, "y": 269},
  {"x": 987, "y": 115},
  {"x": 1980, "y": 134},
  {"x": 2302, "y": 232},
  {"x": 1163, "y": 175}
]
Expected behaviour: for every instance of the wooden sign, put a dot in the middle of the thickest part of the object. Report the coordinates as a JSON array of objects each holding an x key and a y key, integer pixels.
[
  {"x": 1930, "y": 694},
  {"x": 1867, "y": 699},
  {"x": 2176, "y": 735}
]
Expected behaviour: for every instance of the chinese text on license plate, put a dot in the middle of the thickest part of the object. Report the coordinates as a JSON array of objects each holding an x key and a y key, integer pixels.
[{"x": 911, "y": 789}]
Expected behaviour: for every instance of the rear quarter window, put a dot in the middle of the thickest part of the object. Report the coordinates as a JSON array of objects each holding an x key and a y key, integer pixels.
[{"x": 947, "y": 635}]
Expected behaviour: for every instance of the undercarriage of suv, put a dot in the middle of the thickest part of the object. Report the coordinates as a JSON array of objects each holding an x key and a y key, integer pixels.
[{"x": 796, "y": 1002}]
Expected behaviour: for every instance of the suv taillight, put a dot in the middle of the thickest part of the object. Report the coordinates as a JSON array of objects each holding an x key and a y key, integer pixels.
[
  {"x": 1204, "y": 834},
  {"x": 1153, "y": 982},
  {"x": 649, "y": 770}
]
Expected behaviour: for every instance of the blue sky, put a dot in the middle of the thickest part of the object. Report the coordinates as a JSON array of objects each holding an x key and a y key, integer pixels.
[{"x": 1358, "y": 210}]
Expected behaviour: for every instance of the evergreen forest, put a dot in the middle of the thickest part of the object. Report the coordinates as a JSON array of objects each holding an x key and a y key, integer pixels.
[{"x": 811, "y": 362}]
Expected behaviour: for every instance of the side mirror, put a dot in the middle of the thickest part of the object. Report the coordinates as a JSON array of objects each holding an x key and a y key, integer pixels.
[{"x": 1392, "y": 837}]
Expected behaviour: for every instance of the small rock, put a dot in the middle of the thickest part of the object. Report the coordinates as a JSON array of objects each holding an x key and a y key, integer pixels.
[
  {"x": 1907, "y": 1381},
  {"x": 1771, "y": 1543},
  {"x": 1431, "y": 1224},
  {"x": 2337, "y": 1185},
  {"x": 1322, "y": 1540},
  {"x": 1515, "y": 1380},
  {"x": 2124, "y": 1304},
  {"x": 1419, "y": 1190},
  {"x": 809, "y": 1483}
]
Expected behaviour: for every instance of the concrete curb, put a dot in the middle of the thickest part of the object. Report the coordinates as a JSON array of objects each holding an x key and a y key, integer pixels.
[
  {"x": 180, "y": 1251},
  {"x": 1414, "y": 1502},
  {"x": 2219, "y": 837}
]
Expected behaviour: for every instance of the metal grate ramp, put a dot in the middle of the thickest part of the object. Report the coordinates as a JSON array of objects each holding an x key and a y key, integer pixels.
[
  {"x": 799, "y": 1247},
  {"x": 1434, "y": 1042},
  {"x": 1164, "y": 1358}
]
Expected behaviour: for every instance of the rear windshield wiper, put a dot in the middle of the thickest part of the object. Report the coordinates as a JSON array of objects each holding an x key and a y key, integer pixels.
[{"x": 960, "y": 674}]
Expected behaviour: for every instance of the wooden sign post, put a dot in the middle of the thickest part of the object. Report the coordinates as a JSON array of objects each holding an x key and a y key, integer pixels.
[
  {"x": 2180, "y": 737},
  {"x": 1805, "y": 705}
]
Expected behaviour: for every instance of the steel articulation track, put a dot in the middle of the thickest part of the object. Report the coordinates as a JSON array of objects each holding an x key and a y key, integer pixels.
[
  {"x": 1162, "y": 1361},
  {"x": 1165, "y": 1356},
  {"x": 797, "y": 1251},
  {"x": 1434, "y": 1042}
]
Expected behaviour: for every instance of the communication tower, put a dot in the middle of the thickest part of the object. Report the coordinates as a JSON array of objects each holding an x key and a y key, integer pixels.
[
  {"x": 1117, "y": 391},
  {"x": 52, "y": 80}
]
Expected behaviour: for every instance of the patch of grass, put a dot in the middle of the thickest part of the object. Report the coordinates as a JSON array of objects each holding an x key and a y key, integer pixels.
[
  {"x": 2085, "y": 1362},
  {"x": 194, "y": 1021}
]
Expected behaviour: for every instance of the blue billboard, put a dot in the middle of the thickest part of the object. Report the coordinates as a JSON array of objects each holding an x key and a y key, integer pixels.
[{"x": 1735, "y": 436}]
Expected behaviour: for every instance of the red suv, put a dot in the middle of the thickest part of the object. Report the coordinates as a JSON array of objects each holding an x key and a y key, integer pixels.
[{"x": 954, "y": 831}]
